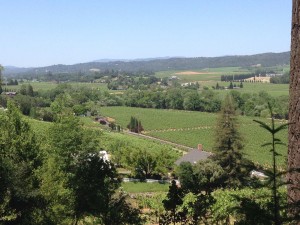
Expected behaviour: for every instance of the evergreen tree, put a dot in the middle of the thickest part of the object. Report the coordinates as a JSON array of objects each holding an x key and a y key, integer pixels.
[
  {"x": 241, "y": 85},
  {"x": 135, "y": 125},
  {"x": 229, "y": 144},
  {"x": 274, "y": 174},
  {"x": 140, "y": 127},
  {"x": 230, "y": 85},
  {"x": 172, "y": 201}
]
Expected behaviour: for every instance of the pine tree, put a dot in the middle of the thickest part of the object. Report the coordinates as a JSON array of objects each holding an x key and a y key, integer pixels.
[
  {"x": 140, "y": 127},
  {"x": 173, "y": 200},
  {"x": 229, "y": 144}
]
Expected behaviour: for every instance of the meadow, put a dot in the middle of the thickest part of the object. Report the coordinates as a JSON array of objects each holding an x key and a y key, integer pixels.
[
  {"x": 275, "y": 90},
  {"x": 141, "y": 187},
  {"x": 207, "y": 74},
  {"x": 192, "y": 128},
  {"x": 209, "y": 77}
]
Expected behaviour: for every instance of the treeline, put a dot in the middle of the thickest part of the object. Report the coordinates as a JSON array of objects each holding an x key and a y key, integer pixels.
[
  {"x": 122, "y": 82},
  {"x": 44, "y": 104},
  {"x": 284, "y": 79},
  {"x": 206, "y": 101},
  {"x": 237, "y": 77},
  {"x": 81, "y": 100},
  {"x": 82, "y": 76}
]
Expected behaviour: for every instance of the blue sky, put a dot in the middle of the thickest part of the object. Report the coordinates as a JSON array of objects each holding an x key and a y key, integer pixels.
[{"x": 46, "y": 32}]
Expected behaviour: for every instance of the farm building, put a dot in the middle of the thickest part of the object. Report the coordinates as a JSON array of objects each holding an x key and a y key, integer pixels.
[{"x": 193, "y": 156}]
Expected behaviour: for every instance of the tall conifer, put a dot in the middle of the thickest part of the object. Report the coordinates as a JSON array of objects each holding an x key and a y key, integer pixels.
[{"x": 229, "y": 144}]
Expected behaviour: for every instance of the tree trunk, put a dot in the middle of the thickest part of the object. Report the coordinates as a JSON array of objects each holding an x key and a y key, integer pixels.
[{"x": 294, "y": 113}]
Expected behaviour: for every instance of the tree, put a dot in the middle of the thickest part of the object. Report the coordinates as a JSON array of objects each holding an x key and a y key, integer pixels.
[
  {"x": 229, "y": 144},
  {"x": 77, "y": 182},
  {"x": 173, "y": 201},
  {"x": 96, "y": 182},
  {"x": 20, "y": 199},
  {"x": 241, "y": 85},
  {"x": 274, "y": 175},
  {"x": 294, "y": 110},
  {"x": 199, "y": 181},
  {"x": 135, "y": 125},
  {"x": 204, "y": 177}
]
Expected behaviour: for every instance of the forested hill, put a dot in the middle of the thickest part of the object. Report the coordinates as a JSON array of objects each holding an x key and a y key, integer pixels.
[{"x": 265, "y": 59}]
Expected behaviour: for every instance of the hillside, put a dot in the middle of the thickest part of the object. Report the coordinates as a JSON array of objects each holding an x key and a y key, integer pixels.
[{"x": 163, "y": 64}]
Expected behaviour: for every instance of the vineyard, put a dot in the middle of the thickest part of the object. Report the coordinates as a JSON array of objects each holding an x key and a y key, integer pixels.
[{"x": 192, "y": 128}]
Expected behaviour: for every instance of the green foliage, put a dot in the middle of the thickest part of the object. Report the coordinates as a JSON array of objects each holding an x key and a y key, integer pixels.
[
  {"x": 143, "y": 157},
  {"x": 246, "y": 206},
  {"x": 204, "y": 177},
  {"x": 198, "y": 182},
  {"x": 171, "y": 203},
  {"x": 284, "y": 79},
  {"x": 229, "y": 145},
  {"x": 274, "y": 174},
  {"x": 26, "y": 89},
  {"x": 140, "y": 187},
  {"x": 197, "y": 207},
  {"x": 135, "y": 125},
  {"x": 77, "y": 182},
  {"x": 180, "y": 127},
  {"x": 20, "y": 200}
]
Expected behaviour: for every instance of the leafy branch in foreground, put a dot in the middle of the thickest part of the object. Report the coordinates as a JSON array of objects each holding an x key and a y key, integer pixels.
[{"x": 275, "y": 141}]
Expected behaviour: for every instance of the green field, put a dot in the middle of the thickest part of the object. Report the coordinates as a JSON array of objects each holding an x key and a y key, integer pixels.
[
  {"x": 157, "y": 119},
  {"x": 192, "y": 128},
  {"x": 139, "y": 187},
  {"x": 208, "y": 74},
  {"x": 274, "y": 90}
]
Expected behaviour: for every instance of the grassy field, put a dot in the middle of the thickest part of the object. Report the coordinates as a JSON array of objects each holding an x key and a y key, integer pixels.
[
  {"x": 192, "y": 128},
  {"x": 208, "y": 74},
  {"x": 156, "y": 119},
  {"x": 140, "y": 187},
  {"x": 274, "y": 90}
]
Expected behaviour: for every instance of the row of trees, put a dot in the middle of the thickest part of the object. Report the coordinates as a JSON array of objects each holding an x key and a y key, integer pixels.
[
  {"x": 83, "y": 100},
  {"x": 284, "y": 79}
]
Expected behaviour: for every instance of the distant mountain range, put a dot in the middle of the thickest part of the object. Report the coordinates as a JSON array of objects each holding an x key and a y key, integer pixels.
[{"x": 160, "y": 64}]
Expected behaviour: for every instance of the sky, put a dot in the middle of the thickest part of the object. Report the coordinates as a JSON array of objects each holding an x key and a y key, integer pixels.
[{"x": 45, "y": 32}]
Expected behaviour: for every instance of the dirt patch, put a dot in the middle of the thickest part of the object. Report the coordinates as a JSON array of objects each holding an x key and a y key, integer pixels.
[{"x": 194, "y": 73}]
